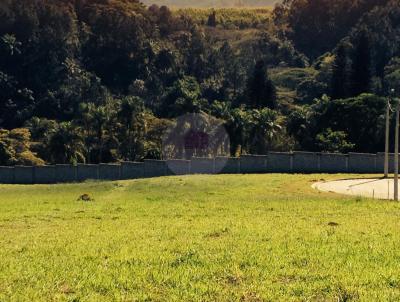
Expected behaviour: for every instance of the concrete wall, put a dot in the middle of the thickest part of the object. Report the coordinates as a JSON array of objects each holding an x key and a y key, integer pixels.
[
  {"x": 110, "y": 171},
  {"x": 380, "y": 163},
  {"x": 274, "y": 162},
  {"x": 178, "y": 167},
  {"x": 362, "y": 163},
  {"x": 280, "y": 162},
  {"x": 333, "y": 163},
  {"x": 155, "y": 168},
  {"x": 23, "y": 175},
  {"x": 253, "y": 164},
  {"x": 132, "y": 170},
  {"x": 86, "y": 172},
  {"x": 227, "y": 165},
  {"x": 201, "y": 165},
  {"x": 6, "y": 175},
  {"x": 44, "y": 174},
  {"x": 306, "y": 162},
  {"x": 66, "y": 173}
]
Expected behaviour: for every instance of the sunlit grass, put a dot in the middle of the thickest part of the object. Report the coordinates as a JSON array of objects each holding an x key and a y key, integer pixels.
[{"x": 197, "y": 238}]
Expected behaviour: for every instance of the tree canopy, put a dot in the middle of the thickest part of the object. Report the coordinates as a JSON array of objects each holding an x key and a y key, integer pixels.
[{"x": 100, "y": 80}]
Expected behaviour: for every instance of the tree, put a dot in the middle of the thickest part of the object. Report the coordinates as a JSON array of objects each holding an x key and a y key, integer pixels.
[
  {"x": 310, "y": 89},
  {"x": 76, "y": 86},
  {"x": 113, "y": 68},
  {"x": 196, "y": 54},
  {"x": 334, "y": 141},
  {"x": 41, "y": 130},
  {"x": 300, "y": 126},
  {"x": 16, "y": 100},
  {"x": 183, "y": 97},
  {"x": 232, "y": 70},
  {"x": 16, "y": 103},
  {"x": 66, "y": 145},
  {"x": 316, "y": 26},
  {"x": 15, "y": 148},
  {"x": 339, "y": 83},
  {"x": 165, "y": 21},
  {"x": 132, "y": 128},
  {"x": 212, "y": 19},
  {"x": 361, "y": 118},
  {"x": 238, "y": 126},
  {"x": 48, "y": 34},
  {"x": 392, "y": 75},
  {"x": 361, "y": 67},
  {"x": 264, "y": 131},
  {"x": 99, "y": 132},
  {"x": 117, "y": 49},
  {"x": 260, "y": 89},
  {"x": 10, "y": 44}
]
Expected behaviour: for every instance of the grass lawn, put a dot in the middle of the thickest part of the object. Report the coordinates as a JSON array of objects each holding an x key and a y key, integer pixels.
[{"x": 197, "y": 238}]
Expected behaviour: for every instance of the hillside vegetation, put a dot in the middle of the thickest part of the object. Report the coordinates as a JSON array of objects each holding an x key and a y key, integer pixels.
[
  {"x": 212, "y": 3},
  {"x": 230, "y": 18},
  {"x": 95, "y": 81}
]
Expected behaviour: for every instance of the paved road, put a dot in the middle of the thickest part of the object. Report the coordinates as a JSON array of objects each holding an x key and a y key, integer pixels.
[{"x": 372, "y": 188}]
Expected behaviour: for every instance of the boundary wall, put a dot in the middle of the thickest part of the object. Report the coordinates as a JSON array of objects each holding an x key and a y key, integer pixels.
[{"x": 273, "y": 162}]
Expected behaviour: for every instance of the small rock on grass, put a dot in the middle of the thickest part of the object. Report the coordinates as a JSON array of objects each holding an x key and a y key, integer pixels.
[{"x": 85, "y": 197}]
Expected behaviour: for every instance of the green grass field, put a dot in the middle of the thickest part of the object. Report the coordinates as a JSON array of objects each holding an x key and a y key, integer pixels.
[{"x": 197, "y": 238}]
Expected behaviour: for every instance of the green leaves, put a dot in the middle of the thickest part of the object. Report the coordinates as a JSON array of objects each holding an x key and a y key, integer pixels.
[
  {"x": 16, "y": 148},
  {"x": 334, "y": 141},
  {"x": 10, "y": 44}
]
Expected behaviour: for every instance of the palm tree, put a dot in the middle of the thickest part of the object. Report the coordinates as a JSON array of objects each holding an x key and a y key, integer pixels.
[
  {"x": 84, "y": 121},
  {"x": 131, "y": 116},
  {"x": 66, "y": 144},
  {"x": 238, "y": 127},
  {"x": 100, "y": 117},
  {"x": 11, "y": 44},
  {"x": 264, "y": 131}
]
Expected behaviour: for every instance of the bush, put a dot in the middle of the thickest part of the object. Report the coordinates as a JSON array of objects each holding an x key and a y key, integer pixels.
[
  {"x": 28, "y": 158},
  {"x": 15, "y": 148},
  {"x": 334, "y": 141},
  {"x": 291, "y": 77}
]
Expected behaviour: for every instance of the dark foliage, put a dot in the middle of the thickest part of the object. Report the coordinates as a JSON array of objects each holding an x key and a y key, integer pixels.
[{"x": 101, "y": 80}]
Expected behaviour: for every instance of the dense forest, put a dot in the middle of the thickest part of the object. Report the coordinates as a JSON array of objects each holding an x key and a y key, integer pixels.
[{"x": 101, "y": 80}]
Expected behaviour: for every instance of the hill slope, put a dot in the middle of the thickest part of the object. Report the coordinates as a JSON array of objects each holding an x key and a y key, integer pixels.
[{"x": 212, "y": 3}]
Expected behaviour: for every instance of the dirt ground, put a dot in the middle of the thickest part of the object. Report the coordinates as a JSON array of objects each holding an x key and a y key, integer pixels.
[{"x": 371, "y": 188}]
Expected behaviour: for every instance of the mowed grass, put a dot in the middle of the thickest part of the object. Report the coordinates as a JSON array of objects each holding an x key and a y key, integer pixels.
[{"x": 197, "y": 238}]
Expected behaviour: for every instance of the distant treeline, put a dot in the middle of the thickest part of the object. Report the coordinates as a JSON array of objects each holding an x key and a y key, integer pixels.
[
  {"x": 212, "y": 3},
  {"x": 229, "y": 18}
]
